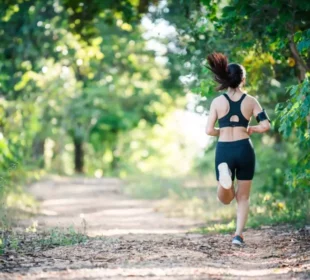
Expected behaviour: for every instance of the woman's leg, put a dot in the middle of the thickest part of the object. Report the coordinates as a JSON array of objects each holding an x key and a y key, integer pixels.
[
  {"x": 242, "y": 197},
  {"x": 224, "y": 195},
  {"x": 223, "y": 156}
]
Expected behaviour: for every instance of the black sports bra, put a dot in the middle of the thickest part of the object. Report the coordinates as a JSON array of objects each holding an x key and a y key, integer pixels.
[{"x": 234, "y": 110}]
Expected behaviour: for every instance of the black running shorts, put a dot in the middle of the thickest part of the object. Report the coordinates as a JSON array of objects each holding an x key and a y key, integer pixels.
[{"x": 240, "y": 157}]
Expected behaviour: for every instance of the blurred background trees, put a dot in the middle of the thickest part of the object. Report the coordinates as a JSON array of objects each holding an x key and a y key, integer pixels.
[{"x": 120, "y": 88}]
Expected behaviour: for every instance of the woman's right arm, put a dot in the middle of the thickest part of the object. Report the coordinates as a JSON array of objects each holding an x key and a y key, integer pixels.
[
  {"x": 210, "y": 129},
  {"x": 263, "y": 125}
]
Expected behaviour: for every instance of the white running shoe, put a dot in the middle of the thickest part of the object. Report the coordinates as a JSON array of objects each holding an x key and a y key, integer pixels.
[{"x": 225, "y": 175}]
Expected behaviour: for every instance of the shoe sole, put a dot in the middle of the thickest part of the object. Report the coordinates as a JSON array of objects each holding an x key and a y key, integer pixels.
[
  {"x": 224, "y": 178},
  {"x": 236, "y": 242}
]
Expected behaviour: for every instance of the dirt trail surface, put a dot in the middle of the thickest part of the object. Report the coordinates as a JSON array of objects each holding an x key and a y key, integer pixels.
[{"x": 129, "y": 240}]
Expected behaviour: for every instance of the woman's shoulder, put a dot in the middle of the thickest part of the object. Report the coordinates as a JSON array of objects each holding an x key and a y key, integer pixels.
[
  {"x": 217, "y": 101},
  {"x": 219, "y": 98},
  {"x": 250, "y": 98}
]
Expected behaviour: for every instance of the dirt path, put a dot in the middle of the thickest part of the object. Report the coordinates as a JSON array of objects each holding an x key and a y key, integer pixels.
[{"x": 132, "y": 241}]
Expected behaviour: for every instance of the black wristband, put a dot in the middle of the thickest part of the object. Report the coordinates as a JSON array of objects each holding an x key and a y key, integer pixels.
[{"x": 262, "y": 116}]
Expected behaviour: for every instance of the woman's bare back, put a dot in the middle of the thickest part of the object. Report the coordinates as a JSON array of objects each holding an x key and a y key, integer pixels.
[{"x": 222, "y": 108}]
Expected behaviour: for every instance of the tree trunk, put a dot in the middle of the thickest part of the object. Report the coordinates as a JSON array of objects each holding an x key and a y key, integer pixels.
[
  {"x": 78, "y": 156},
  {"x": 38, "y": 151},
  {"x": 115, "y": 161},
  {"x": 301, "y": 65}
]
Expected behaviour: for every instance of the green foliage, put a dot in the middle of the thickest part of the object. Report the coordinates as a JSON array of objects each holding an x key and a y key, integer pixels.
[
  {"x": 217, "y": 228},
  {"x": 30, "y": 240},
  {"x": 270, "y": 208},
  {"x": 302, "y": 38},
  {"x": 14, "y": 199},
  {"x": 8, "y": 241},
  {"x": 263, "y": 23},
  {"x": 74, "y": 73},
  {"x": 294, "y": 123},
  {"x": 59, "y": 237}
]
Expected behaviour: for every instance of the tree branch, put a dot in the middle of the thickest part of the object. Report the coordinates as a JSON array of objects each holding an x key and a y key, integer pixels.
[{"x": 301, "y": 65}]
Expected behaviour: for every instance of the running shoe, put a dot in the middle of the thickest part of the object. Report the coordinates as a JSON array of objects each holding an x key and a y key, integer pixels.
[
  {"x": 238, "y": 240},
  {"x": 224, "y": 175}
]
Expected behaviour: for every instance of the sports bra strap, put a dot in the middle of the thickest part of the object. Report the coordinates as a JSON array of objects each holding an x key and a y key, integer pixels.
[
  {"x": 227, "y": 97},
  {"x": 242, "y": 97}
]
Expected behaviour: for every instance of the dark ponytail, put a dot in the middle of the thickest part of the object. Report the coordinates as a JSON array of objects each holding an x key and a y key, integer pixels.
[{"x": 227, "y": 75}]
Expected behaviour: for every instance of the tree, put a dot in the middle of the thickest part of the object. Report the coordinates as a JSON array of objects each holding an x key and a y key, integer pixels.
[{"x": 73, "y": 40}]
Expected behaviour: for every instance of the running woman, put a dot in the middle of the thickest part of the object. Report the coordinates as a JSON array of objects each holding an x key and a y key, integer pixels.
[{"x": 234, "y": 156}]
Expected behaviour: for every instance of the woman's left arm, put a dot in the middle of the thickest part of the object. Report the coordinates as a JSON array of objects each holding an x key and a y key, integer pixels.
[
  {"x": 263, "y": 125},
  {"x": 210, "y": 129}
]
